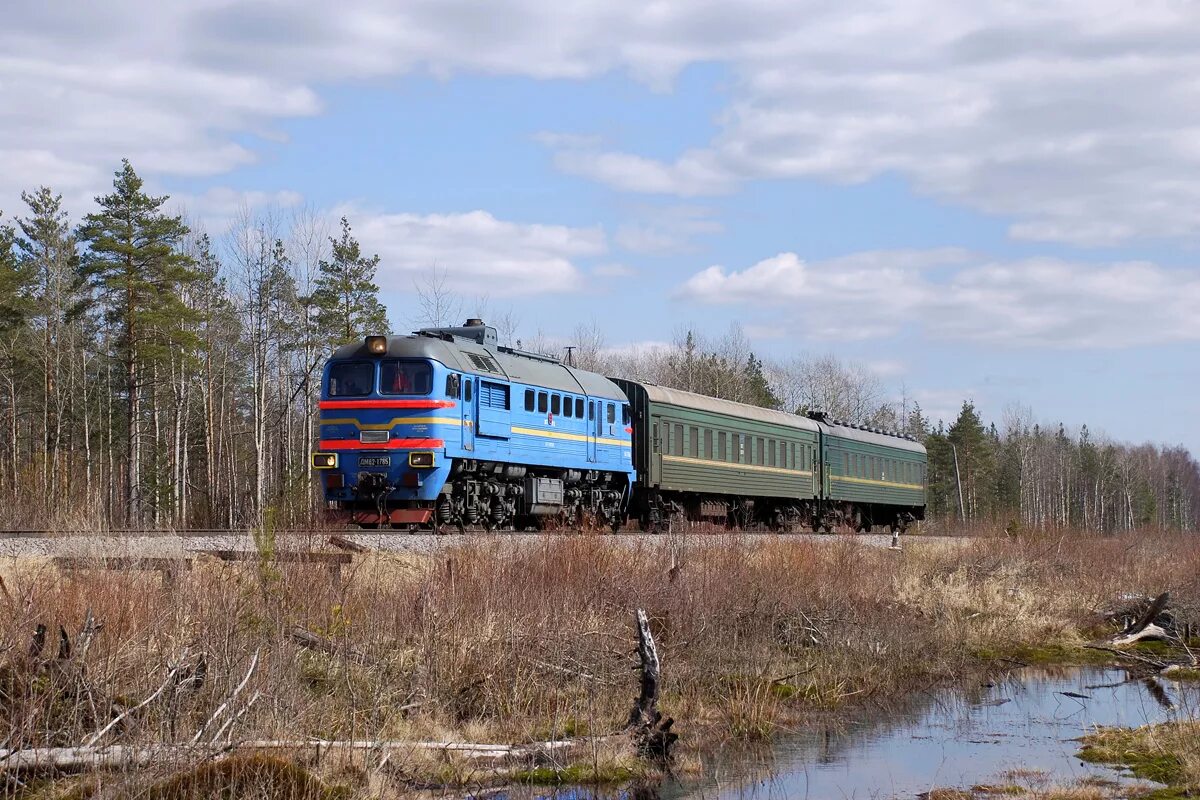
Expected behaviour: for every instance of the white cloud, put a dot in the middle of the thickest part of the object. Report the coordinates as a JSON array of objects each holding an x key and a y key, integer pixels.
[
  {"x": 614, "y": 271},
  {"x": 216, "y": 209},
  {"x": 952, "y": 294},
  {"x": 476, "y": 252},
  {"x": 1077, "y": 120},
  {"x": 664, "y": 231}
]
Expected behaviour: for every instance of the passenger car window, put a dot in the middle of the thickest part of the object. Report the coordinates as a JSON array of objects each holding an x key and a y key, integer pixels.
[
  {"x": 529, "y": 399},
  {"x": 694, "y": 443},
  {"x": 351, "y": 379},
  {"x": 677, "y": 444}
]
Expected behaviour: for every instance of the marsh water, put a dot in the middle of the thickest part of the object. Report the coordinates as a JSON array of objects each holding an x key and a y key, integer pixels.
[{"x": 1022, "y": 729}]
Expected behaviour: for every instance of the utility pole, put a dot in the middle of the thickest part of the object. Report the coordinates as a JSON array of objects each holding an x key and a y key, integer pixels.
[{"x": 962, "y": 513}]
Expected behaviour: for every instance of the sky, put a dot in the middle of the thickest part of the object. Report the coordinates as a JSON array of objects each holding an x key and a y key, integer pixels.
[{"x": 998, "y": 202}]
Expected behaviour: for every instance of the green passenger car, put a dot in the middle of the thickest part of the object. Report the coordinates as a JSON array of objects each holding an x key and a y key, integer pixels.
[
  {"x": 699, "y": 458},
  {"x": 871, "y": 478}
]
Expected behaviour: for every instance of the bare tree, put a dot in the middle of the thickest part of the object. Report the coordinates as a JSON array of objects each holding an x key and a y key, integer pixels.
[{"x": 437, "y": 304}]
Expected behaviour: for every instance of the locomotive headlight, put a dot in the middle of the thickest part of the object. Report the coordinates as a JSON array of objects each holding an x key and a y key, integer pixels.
[
  {"x": 324, "y": 460},
  {"x": 422, "y": 459},
  {"x": 377, "y": 345}
]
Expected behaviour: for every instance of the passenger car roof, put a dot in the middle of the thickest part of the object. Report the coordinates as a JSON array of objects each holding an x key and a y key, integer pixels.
[{"x": 700, "y": 402}]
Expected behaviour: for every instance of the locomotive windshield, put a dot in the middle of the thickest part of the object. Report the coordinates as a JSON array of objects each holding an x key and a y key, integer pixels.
[
  {"x": 351, "y": 379},
  {"x": 405, "y": 377}
]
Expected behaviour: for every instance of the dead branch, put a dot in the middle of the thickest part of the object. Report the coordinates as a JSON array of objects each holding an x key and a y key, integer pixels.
[
  {"x": 100, "y": 734},
  {"x": 221, "y": 708}
]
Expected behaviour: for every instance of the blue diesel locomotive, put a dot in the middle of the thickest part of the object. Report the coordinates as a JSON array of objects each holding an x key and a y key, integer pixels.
[{"x": 446, "y": 429}]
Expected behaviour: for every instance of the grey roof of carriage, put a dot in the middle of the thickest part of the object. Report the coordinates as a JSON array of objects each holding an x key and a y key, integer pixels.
[
  {"x": 701, "y": 402},
  {"x": 456, "y": 354},
  {"x": 871, "y": 437}
]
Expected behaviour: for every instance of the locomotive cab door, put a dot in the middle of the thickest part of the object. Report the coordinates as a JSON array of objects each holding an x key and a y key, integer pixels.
[
  {"x": 593, "y": 427},
  {"x": 468, "y": 412}
]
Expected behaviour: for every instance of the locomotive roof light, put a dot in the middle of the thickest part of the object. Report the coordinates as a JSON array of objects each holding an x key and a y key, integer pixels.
[{"x": 377, "y": 345}]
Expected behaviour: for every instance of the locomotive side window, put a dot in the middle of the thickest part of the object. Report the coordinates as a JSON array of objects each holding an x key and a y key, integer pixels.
[
  {"x": 591, "y": 410},
  {"x": 568, "y": 406},
  {"x": 406, "y": 377},
  {"x": 677, "y": 440},
  {"x": 543, "y": 402},
  {"x": 708, "y": 453},
  {"x": 722, "y": 453},
  {"x": 612, "y": 413},
  {"x": 453, "y": 381},
  {"x": 625, "y": 414},
  {"x": 351, "y": 379},
  {"x": 579, "y": 407},
  {"x": 555, "y": 404},
  {"x": 694, "y": 441},
  {"x": 467, "y": 390},
  {"x": 529, "y": 399}
]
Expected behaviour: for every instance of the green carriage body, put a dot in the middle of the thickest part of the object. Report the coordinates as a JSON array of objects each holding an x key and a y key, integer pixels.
[
  {"x": 873, "y": 469},
  {"x": 690, "y": 443}
]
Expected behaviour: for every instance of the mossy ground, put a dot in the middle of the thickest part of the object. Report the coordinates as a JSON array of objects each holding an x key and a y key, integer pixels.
[{"x": 1168, "y": 753}]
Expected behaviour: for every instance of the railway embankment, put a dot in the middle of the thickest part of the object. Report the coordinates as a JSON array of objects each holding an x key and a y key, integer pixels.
[{"x": 494, "y": 661}]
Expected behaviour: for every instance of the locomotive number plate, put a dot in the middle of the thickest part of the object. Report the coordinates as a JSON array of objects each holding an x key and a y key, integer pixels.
[{"x": 375, "y": 461}]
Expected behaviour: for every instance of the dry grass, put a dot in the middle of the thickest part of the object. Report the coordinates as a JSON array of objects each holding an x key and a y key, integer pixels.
[{"x": 498, "y": 641}]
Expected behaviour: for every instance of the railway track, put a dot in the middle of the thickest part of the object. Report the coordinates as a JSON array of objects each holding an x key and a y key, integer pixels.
[{"x": 144, "y": 543}]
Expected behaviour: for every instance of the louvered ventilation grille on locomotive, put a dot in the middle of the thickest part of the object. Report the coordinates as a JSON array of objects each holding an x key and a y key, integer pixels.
[{"x": 493, "y": 395}]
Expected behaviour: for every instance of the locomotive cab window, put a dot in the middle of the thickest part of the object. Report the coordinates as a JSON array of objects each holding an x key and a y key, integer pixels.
[
  {"x": 406, "y": 377},
  {"x": 351, "y": 379},
  {"x": 529, "y": 399},
  {"x": 625, "y": 414},
  {"x": 579, "y": 408},
  {"x": 453, "y": 382},
  {"x": 612, "y": 413}
]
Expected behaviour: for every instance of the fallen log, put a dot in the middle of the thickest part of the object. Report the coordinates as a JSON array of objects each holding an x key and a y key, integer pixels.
[
  {"x": 311, "y": 641},
  {"x": 1144, "y": 627},
  {"x": 85, "y": 758}
]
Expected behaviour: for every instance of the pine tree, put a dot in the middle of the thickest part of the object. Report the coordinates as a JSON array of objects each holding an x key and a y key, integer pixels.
[
  {"x": 346, "y": 297},
  {"x": 976, "y": 461},
  {"x": 136, "y": 270},
  {"x": 16, "y": 302},
  {"x": 48, "y": 253},
  {"x": 757, "y": 388}
]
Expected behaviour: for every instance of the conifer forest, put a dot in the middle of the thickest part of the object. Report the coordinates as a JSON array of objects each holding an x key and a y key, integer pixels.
[{"x": 152, "y": 375}]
